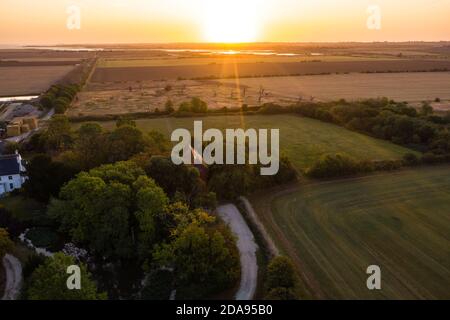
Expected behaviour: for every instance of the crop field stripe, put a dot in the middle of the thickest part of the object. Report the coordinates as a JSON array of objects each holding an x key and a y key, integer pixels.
[{"x": 337, "y": 229}]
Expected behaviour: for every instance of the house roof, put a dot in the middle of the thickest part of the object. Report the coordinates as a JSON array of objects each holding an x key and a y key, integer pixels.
[{"x": 9, "y": 165}]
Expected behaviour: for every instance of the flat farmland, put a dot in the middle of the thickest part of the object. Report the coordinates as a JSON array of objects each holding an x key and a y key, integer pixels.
[
  {"x": 303, "y": 140},
  {"x": 412, "y": 87},
  {"x": 237, "y": 70},
  {"x": 333, "y": 231},
  {"x": 227, "y": 58},
  {"x": 115, "y": 98},
  {"x": 30, "y": 80}
]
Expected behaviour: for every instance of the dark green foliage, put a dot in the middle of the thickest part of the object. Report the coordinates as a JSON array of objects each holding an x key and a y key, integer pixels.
[
  {"x": 59, "y": 97},
  {"x": 411, "y": 159},
  {"x": 125, "y": 142},
  {"x": 48, "y": 281},
  {"x": 181, "y": 182},
  {"x": 11, "y": 223},
  {"x": 43, "y": 238},
  {"x": 11, "y": 148},
  {"x": 46, "y": 177},
  {"x": 230, "y": 182},
  {"x": 59, "y": 135},
  {"x": 196, "y": 105},
  {"x": 338, "y": 165},
  {"x": 158, "y": 285},
  {"x": 32, "y": 263},
  {"x": 203, "y": 256},
  {"x": 271, "y": 108},
  {"x": 125, "y": 122},
  {"x": 5, "y": 242},
  {"x": 281, "y": 280},
  {"x": 47, "y": 101},
  {"x": 115, "y": 210},
  {"x": 61, "y": 104}
]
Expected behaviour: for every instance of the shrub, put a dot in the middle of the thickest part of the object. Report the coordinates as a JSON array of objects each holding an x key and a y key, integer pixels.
[
  {"x": 271, "y": 108},
  {"x": 281, "y": 280},
  {"x": 387, "y": 165},
  {"x": 338, "y": 165},
  {"x": 410, "y": 159}
]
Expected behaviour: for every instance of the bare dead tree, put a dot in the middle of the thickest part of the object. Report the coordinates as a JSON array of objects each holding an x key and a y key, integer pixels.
[{"x": 261, "y": 93}]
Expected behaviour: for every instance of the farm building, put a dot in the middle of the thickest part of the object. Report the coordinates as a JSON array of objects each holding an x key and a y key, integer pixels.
[{"x": 12, "y": 173}]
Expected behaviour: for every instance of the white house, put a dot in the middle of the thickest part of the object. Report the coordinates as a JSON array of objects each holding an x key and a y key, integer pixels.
[{"x": 12, "y": 173}]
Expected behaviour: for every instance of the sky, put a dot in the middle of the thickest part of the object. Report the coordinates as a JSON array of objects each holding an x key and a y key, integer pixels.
[{"x": 162, "y": 21}]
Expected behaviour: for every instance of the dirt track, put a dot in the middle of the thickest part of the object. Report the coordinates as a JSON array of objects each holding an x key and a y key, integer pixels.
[
  {"x": 13, "y": 270},
  {"x": 247, "y": 249}
]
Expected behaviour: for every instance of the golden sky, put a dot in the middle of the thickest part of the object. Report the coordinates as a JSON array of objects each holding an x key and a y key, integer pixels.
[{"x": 145, "y": 21}]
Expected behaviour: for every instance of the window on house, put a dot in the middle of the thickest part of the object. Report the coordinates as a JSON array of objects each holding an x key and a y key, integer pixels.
[{"x": 10, "y": 177}]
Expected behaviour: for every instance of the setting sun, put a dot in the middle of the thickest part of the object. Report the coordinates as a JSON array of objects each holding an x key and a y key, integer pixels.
[{"x": 231, "y": 21}]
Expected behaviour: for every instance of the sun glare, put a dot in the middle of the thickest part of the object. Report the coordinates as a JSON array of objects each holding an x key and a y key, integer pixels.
[{"x": 231, "y": 21}]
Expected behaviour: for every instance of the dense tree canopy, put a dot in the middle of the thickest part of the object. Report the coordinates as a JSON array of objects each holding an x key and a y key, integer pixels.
[
  {"x": 114, "y": 209},
  {"x": 59, "y": 133},
  {"x": 89, "y": 146},
  {"x": 204, "y": 259},
  {"x": 124, "y": 142}
]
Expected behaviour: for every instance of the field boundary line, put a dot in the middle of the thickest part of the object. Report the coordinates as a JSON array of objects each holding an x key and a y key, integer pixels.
[{"x": 252, "y": 215}]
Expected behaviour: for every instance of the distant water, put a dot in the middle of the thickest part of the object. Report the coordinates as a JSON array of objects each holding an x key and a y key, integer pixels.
[
  {"x": 230, "y": 52},
  {"x": 200, "y": 51},
  {"x": 17, "y": 98},
  {"x": 64, "y": 48}
]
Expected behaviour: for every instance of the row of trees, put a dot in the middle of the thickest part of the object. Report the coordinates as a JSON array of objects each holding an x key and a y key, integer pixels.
[{"x": 59, "y": 97}]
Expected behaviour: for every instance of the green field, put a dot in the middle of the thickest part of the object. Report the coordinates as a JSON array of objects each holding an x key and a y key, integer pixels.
[
  {"x": 333, "y": 231},
  {"x": 303, "y": 140}
]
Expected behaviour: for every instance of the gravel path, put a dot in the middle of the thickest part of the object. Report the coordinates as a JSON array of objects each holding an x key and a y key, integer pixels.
[
  {"x": 247, "y": 249},
  {"x": 13, "y": 270}
]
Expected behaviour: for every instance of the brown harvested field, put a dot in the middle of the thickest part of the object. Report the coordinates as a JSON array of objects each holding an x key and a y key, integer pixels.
[
  {"x": 99, "y": 99},
  {"x": 227, "y": 58},
  {"x": 112, "y": 98},
  {"x": 41, "y": 54},
  {"x": 228, "y": 70},
  {"x": 29, "y": 80},
  {"x": 37, "y": 63},
  {"x": 409, "y": 87}
]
